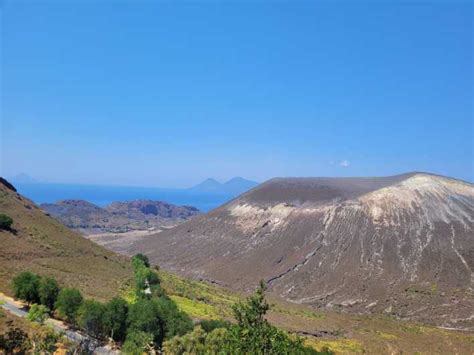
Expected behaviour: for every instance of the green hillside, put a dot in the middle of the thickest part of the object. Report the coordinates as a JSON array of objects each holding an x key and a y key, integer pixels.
[{"x": 39, "y": 243}]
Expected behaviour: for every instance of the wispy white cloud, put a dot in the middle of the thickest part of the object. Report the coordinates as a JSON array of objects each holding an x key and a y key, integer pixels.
[{"x": 344, "y": 163}]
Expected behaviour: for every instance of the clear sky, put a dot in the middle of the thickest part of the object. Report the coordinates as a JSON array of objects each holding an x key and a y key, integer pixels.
[{"x": 169, "y": 93}]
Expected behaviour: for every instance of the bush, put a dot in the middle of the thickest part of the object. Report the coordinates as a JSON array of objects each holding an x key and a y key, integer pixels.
[
  {"x": 147, "y": 282},
  {"x": 68, "y": 303},
  {"x": 89, "y": 317},
  {"x": 192, "y": 343},
  {"x": 48, "y": 292},
  {"x": 146, "y": 316},
  {"x": 26, "y": 287},
  {"x": 5, "y": 222},
  {"x": 175, "y": 321},
  {"x": 14, "y": 340},
  {"x": 38, "y": 313},
  {"x": 209, "y": 325},
  {"x": 115, "y": 319},
  {"x": 138, "y": 343},
  {"x": 142, "y": 258},
  {"x": 253, "y": 334},
  {"x": 44, "y": 341}
]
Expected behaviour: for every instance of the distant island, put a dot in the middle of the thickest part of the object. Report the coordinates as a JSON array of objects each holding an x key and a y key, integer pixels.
[
  {"x": 118, "y": 217},
  {"x": 205, "y": 196},
  {"x": 234, "y": 186}
]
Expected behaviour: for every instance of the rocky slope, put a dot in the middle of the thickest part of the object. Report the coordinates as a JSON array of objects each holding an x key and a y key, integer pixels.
[
  {"x": 118, "y": 216},
  {"x": 403, "y": 245}
]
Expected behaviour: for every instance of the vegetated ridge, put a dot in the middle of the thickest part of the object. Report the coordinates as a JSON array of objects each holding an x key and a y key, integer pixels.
[
  {"x": 41, "y": 244},
  {"x": 400, "y": 245}
]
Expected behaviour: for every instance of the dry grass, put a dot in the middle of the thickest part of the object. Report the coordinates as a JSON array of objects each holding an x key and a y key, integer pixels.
[{"x": 41, "y": 244}]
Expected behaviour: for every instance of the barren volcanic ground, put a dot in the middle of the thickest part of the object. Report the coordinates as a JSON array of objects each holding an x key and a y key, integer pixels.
[{"x": 401, "y": 245}]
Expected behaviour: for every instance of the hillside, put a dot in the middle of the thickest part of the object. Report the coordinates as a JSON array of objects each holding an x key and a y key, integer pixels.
[
  {"x": 343, "y": 333},
  {"x": 118, "y": 217},
  {"x": 41, "y": 244},
  {"x": 400, "y": 245}
]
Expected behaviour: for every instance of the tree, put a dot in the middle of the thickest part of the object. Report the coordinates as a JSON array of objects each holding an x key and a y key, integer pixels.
[
  {"x": 145, "y": 316},
  {"x": 48, "y": 292},
  {"x": 68, "y": 303},
  {"x": 147, "y": 282},
  {"x": 252, "y": 312},
  {"x": 143, "y": 258},
  {"x": 115, "y": 319},
  {"x": 138, "y": 343},
  {"x": 38, "y": 313},
  {"x": 175, "y": 321},
  {"x": 25, "y": 287},
  {"x": 89, "y": 317},
  {"x": 5, "y": 222},
  {"x": 253, "y": 334}
]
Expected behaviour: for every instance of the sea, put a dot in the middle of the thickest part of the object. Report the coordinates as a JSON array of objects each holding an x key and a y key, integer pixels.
[{"x": 104, "y": 195}]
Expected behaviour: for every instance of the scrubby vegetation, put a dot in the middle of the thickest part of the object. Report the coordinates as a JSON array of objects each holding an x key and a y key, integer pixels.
[
  {"x": 252, "y": 334},
  {"x": 152, "y": 321},
  {"x": 38, "y": 313},
  {"x": 18, "y": 339},
  {"x": 26, "y": 287},
  {"x": 5, "y": 222}
]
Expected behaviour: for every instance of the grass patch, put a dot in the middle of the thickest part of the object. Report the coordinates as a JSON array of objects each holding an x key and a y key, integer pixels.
[
  {"x": 412, "y": 329},
  {"x": 387, "y": 336},
  {"x": 196, "y": 309},
  {"x": 339, "y": 346},
  {"x": 199, "y": 299},
  {"x": 303, "y": 313}
]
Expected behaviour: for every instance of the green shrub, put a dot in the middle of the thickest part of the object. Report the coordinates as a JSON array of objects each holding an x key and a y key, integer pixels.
[
  {"x": 143, "y": 258},
  {"x": 146, "y": 316},
  {"x": 38, "y": 313},
  {"x": 44, "y": 341},
  {"x": 209, "y": 325},
  {"x": 68, "y": 303},
  {"x": 138, "y": 343},
  {"x": 26, "y": 287},
  {"x": 5, "y": 222},
  {"x": 48, "y": 292},
  {"x": 191, "y": 343},
  {"x": 90, "y": 317},
  {"x": 115, "y": 319},
  {"x": 175, "y": 321}
]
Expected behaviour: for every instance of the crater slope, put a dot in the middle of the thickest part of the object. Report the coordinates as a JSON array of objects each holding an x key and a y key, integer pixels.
[{"x": 401, "y": 245}]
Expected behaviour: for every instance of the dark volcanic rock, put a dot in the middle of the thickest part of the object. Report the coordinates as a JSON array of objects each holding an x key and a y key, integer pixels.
[
  {"x": 7, "y": 184},
  {"x": 402, "y": 245}
]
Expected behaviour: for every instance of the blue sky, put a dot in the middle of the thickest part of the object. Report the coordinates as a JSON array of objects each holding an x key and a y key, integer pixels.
[{"x": 169, "y": 93}]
